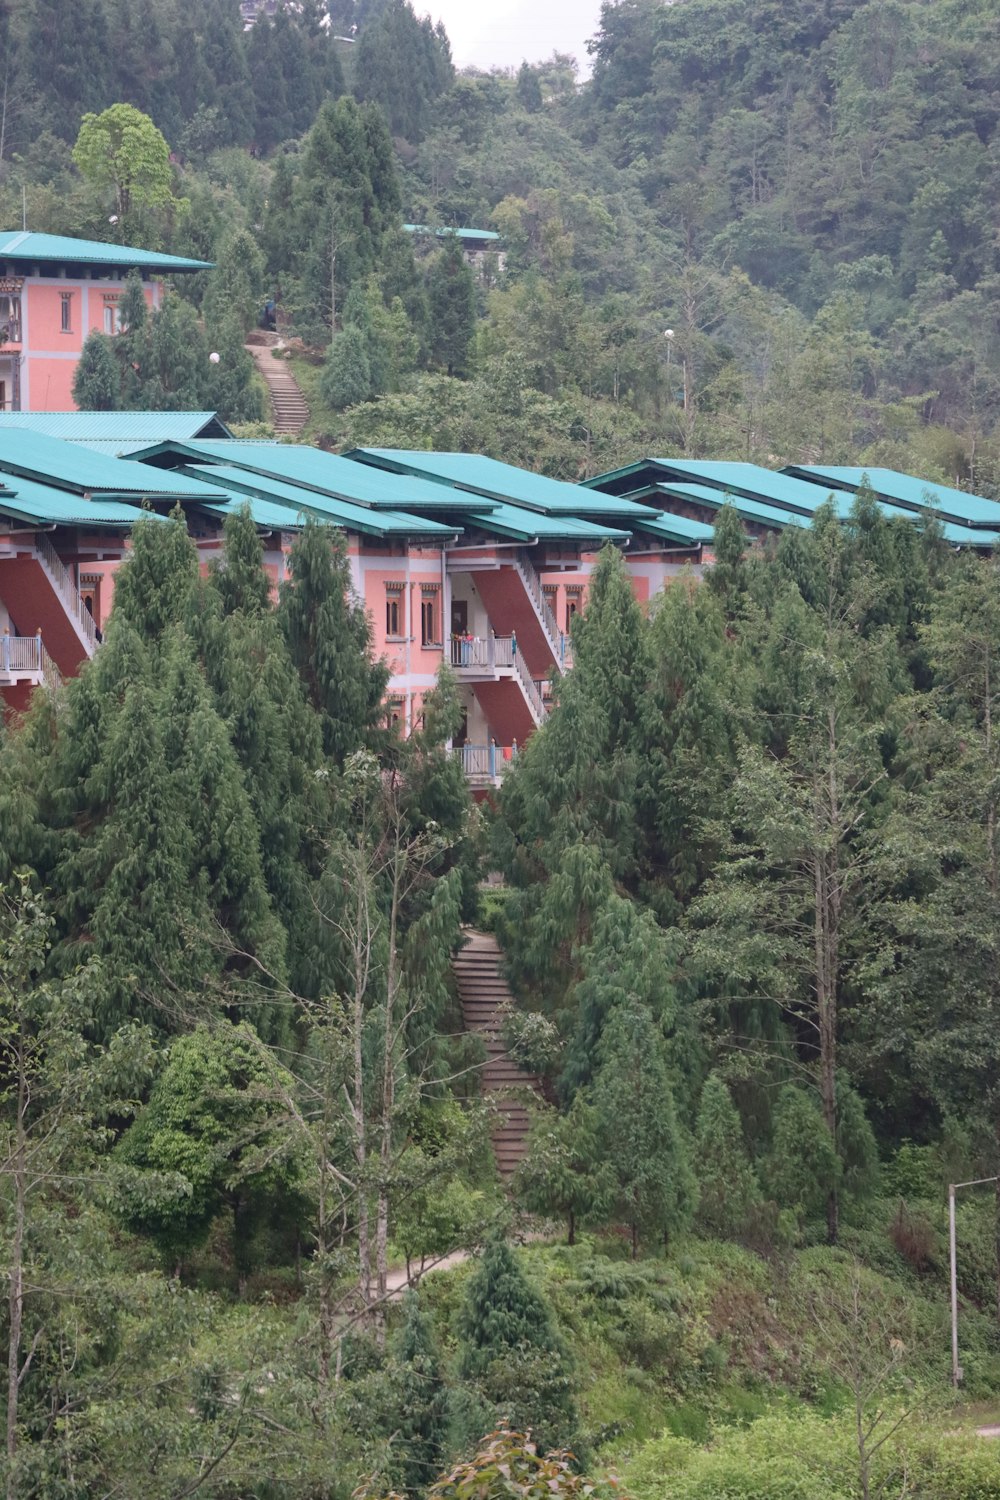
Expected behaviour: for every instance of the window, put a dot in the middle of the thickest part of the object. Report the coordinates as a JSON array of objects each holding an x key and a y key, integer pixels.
[
  {"x": 10, "y": 319},
  {"x": 394, "y": 713},
  {"x": 572, "y": 606},
  {"x": 393, "y": 613},
  {"x": 112, "y": 318},
  {"x": 66, "y": 313},
  {"x": 428, "y": 630}
]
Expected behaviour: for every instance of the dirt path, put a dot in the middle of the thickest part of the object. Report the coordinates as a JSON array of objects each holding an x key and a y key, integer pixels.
[{"x": 988, "y": 1432}]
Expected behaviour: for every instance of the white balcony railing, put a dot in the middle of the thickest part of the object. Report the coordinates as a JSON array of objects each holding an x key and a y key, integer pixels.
[
  {"x": 486, "y": 762},
  {"x": 21, "y": 655},
  {"x": 483, "y": 653}
]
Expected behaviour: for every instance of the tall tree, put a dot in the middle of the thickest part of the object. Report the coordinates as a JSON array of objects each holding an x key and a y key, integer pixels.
[
  {"x": 329, "y": 637},
  {"x": 451, "y": 296},
  {"x": 511, "y": 1354}
]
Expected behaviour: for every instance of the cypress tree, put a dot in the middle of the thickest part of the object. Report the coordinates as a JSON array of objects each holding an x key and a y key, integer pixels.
[
  {"x": 727, "y": 1186},
  {"x": 452, "y": 299},
  {"x": 96, "y": 379},
  {"x": 347, "y": 373},
  {"x": 641, "y": 1141},
  {"x": 511, "y": 1354},
  {"x": 330, "y": 641},
  {"x": 421, "y": 1410},
  {"x": 801, "y": 1169}
]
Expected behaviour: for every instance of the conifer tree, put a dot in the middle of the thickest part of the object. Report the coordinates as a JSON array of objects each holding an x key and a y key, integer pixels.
[
  {"x": 802, "y": 1165},
  {"x": 96, "y": 379},
  {"x": 421, "y": 1408},
  {"x": 452, "y": 309},
  {"x": 727, "y": 578},
  {"x": 510, "y": 1352},
  {"x": 563, "y": 1172},
  {"x": 330, "y": 640},
  {"x": 569, "y": 826},
  {"x": 529, "y": 90},
  {"x": 641, "y": 1141},
  {"x": 347, "y": 374},
  {"x": 727, "y": 1186}
]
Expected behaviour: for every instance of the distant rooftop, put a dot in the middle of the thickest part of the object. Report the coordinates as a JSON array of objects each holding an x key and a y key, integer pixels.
[
  {"x": 443, "y": 232},
  {"x": 25, "y": 247},
  {"x": 118, "y": 430}
]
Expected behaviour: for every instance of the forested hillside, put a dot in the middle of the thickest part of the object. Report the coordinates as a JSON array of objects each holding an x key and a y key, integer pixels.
[
  {"x": 802, "y": 193},
  {"x": 750, "y": 863}
]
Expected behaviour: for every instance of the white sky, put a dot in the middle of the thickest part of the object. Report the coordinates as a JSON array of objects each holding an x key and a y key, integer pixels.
[{"x": 503, "y": 33}]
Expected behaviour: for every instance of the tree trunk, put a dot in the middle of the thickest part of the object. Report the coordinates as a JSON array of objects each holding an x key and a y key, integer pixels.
[
  {"x": 571, "y": 1229},
  {"x": 15, "y": 1296}
]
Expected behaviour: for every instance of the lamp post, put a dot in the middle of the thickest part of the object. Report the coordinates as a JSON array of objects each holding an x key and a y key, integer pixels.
[{"x": 956, "y": 1369}]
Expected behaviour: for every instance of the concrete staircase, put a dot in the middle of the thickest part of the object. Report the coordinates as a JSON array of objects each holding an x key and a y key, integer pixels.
[
  {"x": 483, "y": 990},
  {"x": 288, "y": 405}
]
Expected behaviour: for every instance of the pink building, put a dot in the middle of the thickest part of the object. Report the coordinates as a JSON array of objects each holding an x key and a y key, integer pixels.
[
  {"x": 457, "y": 559},
  {"x": 54, "y": 291}
]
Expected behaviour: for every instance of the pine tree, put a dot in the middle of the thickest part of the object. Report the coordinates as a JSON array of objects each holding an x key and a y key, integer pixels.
[
  {"x": 510, "y": 1353},
  {"x": 96, "y": 379},
  {"x": 641, "y": 1141},
  {"x": 727, "y": 578},
  {"x": 330, "y": 640},
  {"x": 421, "y": 1408},
  {"x": 563, "y": 1172},
  {"x": 347, "y": 374},
  {"x": 727, "y": 1186},
  {"x": 801, "y": 1167},
  {"x": 452, "y": 309}
]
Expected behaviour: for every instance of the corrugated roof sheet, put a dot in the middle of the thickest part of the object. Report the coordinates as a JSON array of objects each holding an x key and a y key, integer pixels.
[
  {"x": 499, "y": 481},
  {"x": 443, "y": 232},
  {"x": 907, "y": 491},
  {"x": 754, "y": 510},
  {"x": 524, "y": 525},
  {"x": 33, "y": 455},
  {"x": 264, "y": 512},
  {"x": 734, "y": 478},
  {"x": 136, "y": 427},
  {"x": 24, "y": 245},
  {"x": 679, "y": 528},
  {"x": 326, "y": 473},
  {"x": 295, "y": 501},
  {"x": 27, "y": 500}
]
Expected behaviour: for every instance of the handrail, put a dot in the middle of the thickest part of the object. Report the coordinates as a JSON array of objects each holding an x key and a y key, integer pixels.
[
  {"x": 532, "y": 694},
  {"x": 491, "y": 651},
  {"x": 485, "y": 762},
  {"x": 533, "y": 584},
  {"x": 67, "y": 590},
  {"x": 20, "y": 653},
  {"x": 50, "y": 672}
]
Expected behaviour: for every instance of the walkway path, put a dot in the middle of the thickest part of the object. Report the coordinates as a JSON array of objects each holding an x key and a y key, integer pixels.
[
  {"x": 288, "y": 405},
  {"x": 482, "y": 990}
]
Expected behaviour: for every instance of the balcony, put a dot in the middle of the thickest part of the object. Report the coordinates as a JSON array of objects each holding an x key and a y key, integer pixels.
[
  {"x": 25, "y": 663},
  {"x": 495, "y": 659},
  {"x": 485, "y": 765}
]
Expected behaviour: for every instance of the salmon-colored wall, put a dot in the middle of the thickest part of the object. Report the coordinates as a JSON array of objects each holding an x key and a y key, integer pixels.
[{"x": 49, "y": 355}]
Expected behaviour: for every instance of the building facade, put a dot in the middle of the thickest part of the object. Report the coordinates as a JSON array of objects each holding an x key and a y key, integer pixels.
[{"x": 55, "y": 291}]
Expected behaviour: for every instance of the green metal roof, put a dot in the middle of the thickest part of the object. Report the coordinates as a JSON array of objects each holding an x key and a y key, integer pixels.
[
  {"x": 325, "y": 473},
  {"x": 26, "y": 500},
  {"x": 713, "y": 499},
  {"x": 265, "y": 514},
  {"x": 528, "y": 525},
  {"x": 138, "y": 428},
  {"x": 499, "y": 481},
  {"x": 678, "y": 529},
  {"x": 26, "y": 246},
  {"x": 750, "y": 480},
  {"x": 908, "y": 492},
  {"x": 443, "y": 232},
  {"x": 295, "y": 501},
  {"x": 33, "y": 455}
]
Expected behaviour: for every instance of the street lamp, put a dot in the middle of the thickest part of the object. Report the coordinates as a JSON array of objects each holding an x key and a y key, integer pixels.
[
  {"x": 668, "y": 334},
  {"x": 956, "y": 1369}
]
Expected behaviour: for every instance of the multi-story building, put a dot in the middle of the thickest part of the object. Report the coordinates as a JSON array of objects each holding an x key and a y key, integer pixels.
[
  {"x": 456, "y": 557},
  {"x": 54, "y": 291}
]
